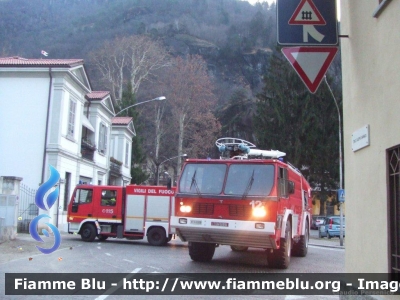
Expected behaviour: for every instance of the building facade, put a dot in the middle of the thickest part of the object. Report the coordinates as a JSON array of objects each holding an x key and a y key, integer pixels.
[
  {"x": 50, "y": 116},
  {"x": 371, "y": 89}
]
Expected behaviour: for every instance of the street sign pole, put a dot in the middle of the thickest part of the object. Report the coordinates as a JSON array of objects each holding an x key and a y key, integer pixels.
[{"x": 340, "y": 197}]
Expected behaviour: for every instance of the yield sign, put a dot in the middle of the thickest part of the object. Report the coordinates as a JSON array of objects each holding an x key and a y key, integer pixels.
[
  {"x": 307, "y": 13},
  {"x": 310, "y": 63}
]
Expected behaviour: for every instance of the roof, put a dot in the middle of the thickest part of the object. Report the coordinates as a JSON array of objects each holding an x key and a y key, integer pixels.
[
  {"x": 121, "y": 120},
  {"x": 97, "y": 95},
  {"x": 17, "y": 61}
]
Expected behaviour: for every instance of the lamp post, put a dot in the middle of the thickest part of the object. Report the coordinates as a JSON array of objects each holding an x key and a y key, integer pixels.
[
  {"x": 155, "y": 99},
  {"x": 158, "y": 167},
  {"x": 340, "y": 160}
]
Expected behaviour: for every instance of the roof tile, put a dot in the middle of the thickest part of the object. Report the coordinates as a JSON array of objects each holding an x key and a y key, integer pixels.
[
  {"x": 17, "y": 61},
  {"x": 97, "y": 95},
  {"x": 121, "y": 120}
]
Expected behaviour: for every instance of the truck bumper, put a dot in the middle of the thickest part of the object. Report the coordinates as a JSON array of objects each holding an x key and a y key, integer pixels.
[{"x": 225, "y": 232}]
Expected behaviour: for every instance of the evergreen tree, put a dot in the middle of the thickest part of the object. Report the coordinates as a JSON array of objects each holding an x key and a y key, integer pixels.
[
  {"x": 305, "y": 126},
  {"x": 138, "y": 155}
]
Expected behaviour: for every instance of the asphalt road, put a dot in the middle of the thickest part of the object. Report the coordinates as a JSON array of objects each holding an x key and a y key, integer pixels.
[{"x": 123, "y": 256}]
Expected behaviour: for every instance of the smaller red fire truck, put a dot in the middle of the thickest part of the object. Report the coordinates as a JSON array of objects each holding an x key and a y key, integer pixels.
[
  {"x": 248, "y": 198},
  {"x": 130, "y": 212}
]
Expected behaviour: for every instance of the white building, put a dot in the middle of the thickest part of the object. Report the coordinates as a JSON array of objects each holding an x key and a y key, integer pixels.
[
  {"x": 49, "y": 115},
  {"x": 371, "y": 89}
]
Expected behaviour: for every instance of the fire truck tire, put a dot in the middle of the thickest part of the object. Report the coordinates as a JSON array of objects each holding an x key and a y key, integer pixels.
[
  {"x": 239, "y": 248},
  {"x": 201, "y": 252},
  {"x": 156, "y": 236},
  {"x": 102, "y": 237},
  {"x": 88, "y": 233},
  {"x": 169, "y": 238},
  {"x": 280, "y": 258},
  {"x": 300, "y": 248}
]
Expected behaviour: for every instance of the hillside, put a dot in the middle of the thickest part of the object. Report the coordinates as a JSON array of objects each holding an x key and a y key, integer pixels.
[{"x": 233, "y": 36}]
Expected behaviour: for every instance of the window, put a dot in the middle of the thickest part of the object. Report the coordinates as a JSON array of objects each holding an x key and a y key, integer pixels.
[
  {"x": 249, "y": 180},
  {"x": 108, "y": 197},
  {"x": 126, "y": 154},
  {"x": 380, "y": 8},
  {"x": 393, "y": 166},
  {"x": 103, "y": 138},
  {"x": 283, "y": 183},
  {"x": 66, "y": 189},
  {"x": 83, "y": 196},
  {"x": 202, "y": 178},
  {"x": 71, "y": 118}
]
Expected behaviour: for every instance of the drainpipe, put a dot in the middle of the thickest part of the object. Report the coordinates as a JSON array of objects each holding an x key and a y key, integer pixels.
[{"x": 47, "y": 126}]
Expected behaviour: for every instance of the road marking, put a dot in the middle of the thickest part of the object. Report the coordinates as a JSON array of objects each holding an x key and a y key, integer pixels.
[
  {"x": 108, "y": 254},
  {"x": 131, "y": 261},
  {"x": 114, "y": 288},
  {"x": 325, "y": 247}
]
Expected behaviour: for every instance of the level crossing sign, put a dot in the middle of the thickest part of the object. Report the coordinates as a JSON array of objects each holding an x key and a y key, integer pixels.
[{"x": 307, "y": 22}]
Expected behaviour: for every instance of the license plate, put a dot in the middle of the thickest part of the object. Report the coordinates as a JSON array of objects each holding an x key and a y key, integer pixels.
[{"x": 222, "y": 224}]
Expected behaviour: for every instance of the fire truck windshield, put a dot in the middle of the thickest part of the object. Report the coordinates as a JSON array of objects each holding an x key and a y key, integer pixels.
[{"x": 243, "y": 180}]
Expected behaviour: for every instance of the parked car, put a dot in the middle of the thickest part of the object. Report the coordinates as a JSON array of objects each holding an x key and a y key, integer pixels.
[
  {"x": 331, "y": 227},
  {"x": 317, "y": 221}
]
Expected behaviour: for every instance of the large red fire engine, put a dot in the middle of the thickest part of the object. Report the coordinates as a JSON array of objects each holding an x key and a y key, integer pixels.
[
  {"x": 130, "y": 212},
  {"x": 248, "y": 198}
]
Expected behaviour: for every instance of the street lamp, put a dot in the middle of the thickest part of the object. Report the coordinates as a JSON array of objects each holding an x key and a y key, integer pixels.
[
  {"x": 340, "y": 160},
  {"x": 155, "y": 99},
  {"x": 158, "y": 166}
]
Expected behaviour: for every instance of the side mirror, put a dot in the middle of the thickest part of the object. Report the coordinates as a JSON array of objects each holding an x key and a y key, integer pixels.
[
  {"x": 291, "y": 187},
  {"x": 169, "y": 183}
]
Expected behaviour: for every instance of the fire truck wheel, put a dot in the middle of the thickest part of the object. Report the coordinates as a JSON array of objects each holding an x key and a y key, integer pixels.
[
  {"x": 201, "y": 252},
  {"x": 280, "y": 258},
  {"x": 301, "y": 247},
  {"x": 88, "y": 233},
  {"x": 102, "y": 237},
  {"x": 156, "y": 236},
  {"x": 239, "y": 248}
]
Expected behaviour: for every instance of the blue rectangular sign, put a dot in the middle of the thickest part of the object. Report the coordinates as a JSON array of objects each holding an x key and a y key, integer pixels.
[
  {"x": 340, "y": 195},
  {"x": 307, "y": 22}
]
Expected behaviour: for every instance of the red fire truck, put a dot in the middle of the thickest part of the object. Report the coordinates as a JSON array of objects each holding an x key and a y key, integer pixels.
[
  {"x": 248, "y": 198},
  {"x": 130, "y": 212}
]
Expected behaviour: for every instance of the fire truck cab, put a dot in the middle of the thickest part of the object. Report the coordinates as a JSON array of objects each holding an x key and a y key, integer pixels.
[
  {"x": 131, "y": 212},
  {"x": 247, "y": 198}
]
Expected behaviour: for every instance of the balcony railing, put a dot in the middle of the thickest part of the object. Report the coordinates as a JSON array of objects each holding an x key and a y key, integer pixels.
[
  {"x": 87, "y": 149},
  {"x": 115, "y": 166}
]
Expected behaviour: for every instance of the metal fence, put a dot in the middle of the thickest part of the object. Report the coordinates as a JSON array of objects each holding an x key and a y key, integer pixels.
[{"x": 27, "y": 210}]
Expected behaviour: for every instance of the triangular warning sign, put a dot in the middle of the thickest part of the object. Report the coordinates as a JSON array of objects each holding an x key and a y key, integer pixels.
[
  {"x": 310, "y": 63},
  {"x": 307, "y": 13}
]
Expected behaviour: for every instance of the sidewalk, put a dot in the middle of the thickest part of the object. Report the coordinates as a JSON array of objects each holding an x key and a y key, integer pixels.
[{"x": 325, "y": 242}]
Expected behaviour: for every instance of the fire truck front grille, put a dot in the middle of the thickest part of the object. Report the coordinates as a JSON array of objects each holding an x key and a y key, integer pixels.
[
  {"x": 203, "y": 208},
  {"x": 226, "y": 237},
  {"x": 240, "y": 210}
]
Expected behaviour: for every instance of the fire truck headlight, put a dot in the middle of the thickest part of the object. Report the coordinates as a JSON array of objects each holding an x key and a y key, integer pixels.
[
  {"x": 185, "y": 209},
  {"x": 182, "y": 221},
  {"x": 259, "y": 212}
]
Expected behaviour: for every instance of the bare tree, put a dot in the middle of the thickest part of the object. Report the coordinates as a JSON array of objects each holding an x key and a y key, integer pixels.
[
  {"x": 190, "y": 93},
  {"x": 134, "y": 58}
]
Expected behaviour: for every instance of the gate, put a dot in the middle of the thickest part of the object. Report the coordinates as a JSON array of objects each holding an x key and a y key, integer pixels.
[{"x": 27, "y": 208}]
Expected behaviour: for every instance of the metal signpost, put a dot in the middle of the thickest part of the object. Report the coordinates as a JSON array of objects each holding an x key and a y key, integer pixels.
[
  {"x": 341, "y": 196},
  {"x": 311, "y": 25}
]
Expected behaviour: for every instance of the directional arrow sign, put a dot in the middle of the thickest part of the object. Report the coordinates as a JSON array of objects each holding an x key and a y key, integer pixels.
[
  {"x": 307, "y": 22},
  {"x": 310, "y": 63}
]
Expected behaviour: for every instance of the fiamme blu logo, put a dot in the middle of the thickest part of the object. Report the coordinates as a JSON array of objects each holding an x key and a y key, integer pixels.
[{"x": 45, "y": 200}]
